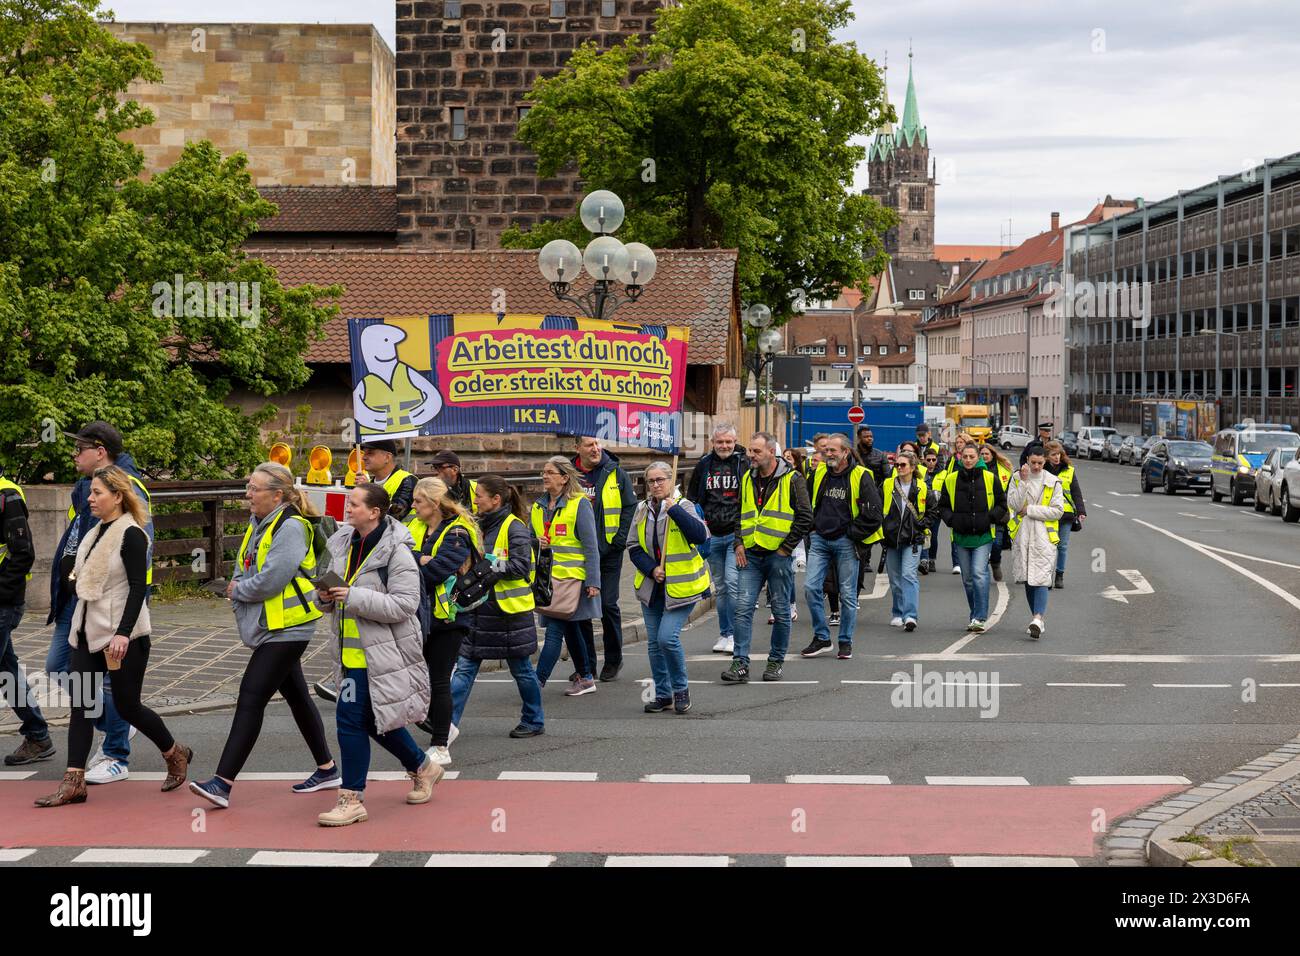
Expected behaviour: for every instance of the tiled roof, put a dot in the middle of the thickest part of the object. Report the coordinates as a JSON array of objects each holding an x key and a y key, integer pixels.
[
  {"x": 959, "y": 253},
  {"x": 331, "y": 209},
  {"x": 1044, "y": 248},
  {"x": 693, "y": 287}
]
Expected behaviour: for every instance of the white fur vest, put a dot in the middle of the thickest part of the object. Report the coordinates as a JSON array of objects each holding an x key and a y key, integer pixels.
[{"x": 102, "y": 587}]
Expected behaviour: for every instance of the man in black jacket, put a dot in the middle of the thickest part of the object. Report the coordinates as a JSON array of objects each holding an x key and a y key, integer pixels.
[
  {"x": 611, "y": 494},
  {"x": 16, "y": 559},
  {"x": 715, "y": 487},
  {"x": 972, "y": 503},
  {"x": 875, "y": 461},
  {"x": 775, "y": 515},
  {"x": 846, "y": 511},
  {"x": 1037, "y": 443}
]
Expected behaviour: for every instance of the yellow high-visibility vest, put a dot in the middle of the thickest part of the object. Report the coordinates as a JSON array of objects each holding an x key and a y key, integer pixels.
[
  {"x": 291, "y": 606},
  {"x": 887, "y": 499},
  {"x": 570, "y": 558},
  {"x": 950, "y": 482},
  {"x": 1053, "y": 527},
  {"x": 611, "y": 502},
  {"x": 1067, "y": 479},
  {"x": 513, "y": 595},
  {"x": 768, "y": 528},
  {"x": 441, "y": 609},
  {"x": 686, "y": 573},
  {"x": 6, "y": 485}
]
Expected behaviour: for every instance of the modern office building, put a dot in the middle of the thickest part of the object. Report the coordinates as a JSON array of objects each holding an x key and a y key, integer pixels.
[{"x": 1221, "y": 266}]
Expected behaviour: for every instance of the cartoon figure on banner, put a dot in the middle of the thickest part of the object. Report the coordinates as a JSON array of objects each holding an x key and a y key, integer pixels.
[{"x": 392, "y": 398}]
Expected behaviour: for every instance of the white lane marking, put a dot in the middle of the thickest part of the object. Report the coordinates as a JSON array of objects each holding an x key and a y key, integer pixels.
[
  {"x": 946, "y": 683},
  {"x": 1062, "y": 684},
  {"x": 879, "y": 588},
  {"x": 489, "y": 859},
  {"x": 961, "y": 861},
  {"x": 695, "y": 778},
  {"x": 1113, "y": 511},
  {"x": 16, "y": 774},
  {"x": 1004, "y": 596},
  {"x": 848, "y": 861},
  {"x": 1135, "y": 578},
  {"x": 1244, "y": 572},
  {"x": 1279, "y": 685},
  {"x": 977, "y": 781},
  {"x": 1188, "y": 514},
  {"x": 1224, "y": 507},
  {"x": 1192, "y": 685},
  {"x": 1123, "y": 494},
  {"x": 13, "y": 856},
  {"x": 296, "y": 858},
  {"x": 1097, "y": 658},
  {"x": 1252, "y": 557},
  {"x": 1108, "y": 781},
  {"x": 859, "y": 779},
  {"x": 580, "y": 776},
  {"x": 673, "y": 861},
  {"x": 136, "y": 856}
]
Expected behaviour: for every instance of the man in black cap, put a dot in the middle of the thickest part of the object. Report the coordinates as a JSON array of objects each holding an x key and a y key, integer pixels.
[
  {"x": 380, "y": 458},
  {"x": 1036, "y": 443},
  {"x": 923, "y": 441},
  {"x": 447, "y": 465}
]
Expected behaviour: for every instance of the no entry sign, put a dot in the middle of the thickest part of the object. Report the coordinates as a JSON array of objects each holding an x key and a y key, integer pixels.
[{"x": 856, "y": 414}]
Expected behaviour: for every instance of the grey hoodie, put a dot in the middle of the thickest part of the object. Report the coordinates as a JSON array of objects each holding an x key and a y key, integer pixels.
[
  {"x": 803, "y": 513},
  {"x": 252, "y": 587}
]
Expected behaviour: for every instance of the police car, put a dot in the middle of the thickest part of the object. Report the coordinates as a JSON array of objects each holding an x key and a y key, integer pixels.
[{"x": 1239, "y": 451}]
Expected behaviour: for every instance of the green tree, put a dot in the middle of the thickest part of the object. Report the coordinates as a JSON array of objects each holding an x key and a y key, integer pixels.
[
  {"x": 90, "y": 254},
  {"x": 748, "y": 110}
]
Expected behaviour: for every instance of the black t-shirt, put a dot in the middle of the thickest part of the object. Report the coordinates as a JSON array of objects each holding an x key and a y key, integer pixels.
[{"x": 833, "y": 510}]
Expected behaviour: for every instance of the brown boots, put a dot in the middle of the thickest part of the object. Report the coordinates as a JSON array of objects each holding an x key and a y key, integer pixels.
[
  {"x": 71, "y": 790},
  {"x": 178, "y": 765}
]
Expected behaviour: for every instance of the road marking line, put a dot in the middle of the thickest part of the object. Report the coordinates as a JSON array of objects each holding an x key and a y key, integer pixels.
[
  {"x": 848, "y": 778},
  {"x": 1120, "y": 513},
  {"x": 673, "y": 861},
  {"x": 1244, "y": 572},
  {"x": 489, "y": 859},
  {"x": 1279, "y": 685},
  {"x": 848, "y": 861},
  {"x": 962, "y": 861},
  {"x": 1251, "y": 557},
  {"x": 695, "y": 778},
  {"x": 129, "y": 855},
  {"x": 1107, "y": 781},
  {"x": 947, "y": 683},
  {"x": 879, "y": 588},
  {"x": 1191, "y": 685},
  {"x": 14, "y": 855},
  {"x": 16, "y": 774},
  {"x": 1214, "y": 505},
  {"x": 579, "y": 776},
  {"x": 1103, "y": 658},
  {"x": 296, "y": 858},
  {"x": 1004, "y": 596},
  {"x": 977, "y": 781},
  {"x": 1050, "y": 684}
]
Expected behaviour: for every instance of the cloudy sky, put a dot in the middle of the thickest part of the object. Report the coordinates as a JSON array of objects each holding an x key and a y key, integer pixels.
[{"x": 1031, "y": 105}]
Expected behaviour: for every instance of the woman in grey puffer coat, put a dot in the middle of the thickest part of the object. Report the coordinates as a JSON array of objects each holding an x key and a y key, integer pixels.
[{"x": 381, "y": 674}]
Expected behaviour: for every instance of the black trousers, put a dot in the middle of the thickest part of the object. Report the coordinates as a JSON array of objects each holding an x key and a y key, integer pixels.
[
  {"x": 441, "y": 649},
  {"x": 273, "y": 667},
  {"x": 611, "y": 617},
  {"x": 127, "y": 683}
]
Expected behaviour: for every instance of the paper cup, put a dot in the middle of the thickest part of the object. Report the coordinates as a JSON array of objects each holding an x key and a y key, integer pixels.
[{"x": 112, "y": 662}]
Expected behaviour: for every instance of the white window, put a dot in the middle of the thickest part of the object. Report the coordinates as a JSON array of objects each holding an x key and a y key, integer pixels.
[
  {"x": 884, "y": 350},
  {"x": 844, "y": 350},
  {"x": 844, "y": 375},
  {"x": 866, "y": 350},
  {"x": 821, "y": 375},
  {"x": 916, "y": 295},
  {"x": 902, "y": 348}
]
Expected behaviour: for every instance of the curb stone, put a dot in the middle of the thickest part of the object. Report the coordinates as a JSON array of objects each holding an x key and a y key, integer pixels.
[{"x": 1183, "y": 812}]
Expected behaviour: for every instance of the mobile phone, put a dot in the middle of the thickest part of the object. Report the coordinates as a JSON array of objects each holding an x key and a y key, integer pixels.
[{"x": 329, "y": 580}]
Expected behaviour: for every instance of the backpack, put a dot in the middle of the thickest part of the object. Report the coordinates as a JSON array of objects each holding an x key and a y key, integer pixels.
[
  {"x": 322, "y": 526},
  {"x": 424, "y": 613}
]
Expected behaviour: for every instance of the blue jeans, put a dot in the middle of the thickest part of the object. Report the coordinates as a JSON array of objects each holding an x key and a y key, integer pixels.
[
  {"x": 117, "y": 732},
  {"x": 33, "y": 723},
  {"x": 1064, "y": 529},
  {"x": 974, "y": 564},
  {"x": 570, "y": 633},
  {"x": 726, "y": 580},
  {"x": 521, "y": 669},
  {"x": 904, "y": 586},
  {"x": 356, "y": 728},
  {"x": 775, "y": 571},
  {"x": 1037, "y": 598},
  {"x": 821, "y": 553},
  {"x": 1001, "y": 542},
  {"x": 667, "y": 659}
]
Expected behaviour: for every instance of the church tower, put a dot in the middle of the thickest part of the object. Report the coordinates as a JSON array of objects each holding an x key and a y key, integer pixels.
[{"x": 901, "y": 176}]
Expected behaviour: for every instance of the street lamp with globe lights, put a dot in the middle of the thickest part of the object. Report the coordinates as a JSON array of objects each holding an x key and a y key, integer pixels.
[{"x": 607, "y": 260}]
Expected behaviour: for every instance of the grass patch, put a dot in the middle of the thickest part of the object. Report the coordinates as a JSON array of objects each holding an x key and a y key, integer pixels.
[{"x": 178, "y": 592}]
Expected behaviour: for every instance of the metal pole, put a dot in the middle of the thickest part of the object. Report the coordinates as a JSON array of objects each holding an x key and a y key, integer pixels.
[{"x": 771, "y": 412}]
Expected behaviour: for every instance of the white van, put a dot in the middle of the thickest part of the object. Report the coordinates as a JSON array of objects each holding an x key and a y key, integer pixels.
[{"x": 1091, "y": 440}]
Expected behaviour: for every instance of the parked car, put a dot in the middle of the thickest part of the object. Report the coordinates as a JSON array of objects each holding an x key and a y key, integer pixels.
[
  {"x": 1132, "y": 453},
  {"x": 1175, "y": 465},
  {"x": 1111, "y": 445},
  {"x": 1013, "y": 436},
  {"x": 1268, "y": 480},
  {"x": 1238, "y": 453},
  {"x": 1070, "y": 442},
  {"x": 1288, "y": 494},
  {"x": 1091, "y": 440}
]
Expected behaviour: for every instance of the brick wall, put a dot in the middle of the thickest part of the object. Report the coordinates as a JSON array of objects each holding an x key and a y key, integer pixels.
[
  {"x": 311, "y": 104},
  {"x": 461, "y": 194}
]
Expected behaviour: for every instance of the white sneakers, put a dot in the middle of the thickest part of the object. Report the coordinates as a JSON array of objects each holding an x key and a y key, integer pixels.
[
  {"x": 439, "y": 755},
  {"x": 956, "y": 570},
  {"x": 725, "y": 645},
  {"x": 452, "y": 734},
  {"x": 107, "y": 771},
  {"x": 1035, "y": 629},
  {"x": 895, "y": 622}
]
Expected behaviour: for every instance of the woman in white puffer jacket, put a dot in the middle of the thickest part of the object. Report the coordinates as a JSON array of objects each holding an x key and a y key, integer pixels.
[{"x": 1036, "y": 503}]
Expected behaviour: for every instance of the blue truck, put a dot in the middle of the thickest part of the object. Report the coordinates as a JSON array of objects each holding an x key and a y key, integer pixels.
[{"x": 891, "y": 422}]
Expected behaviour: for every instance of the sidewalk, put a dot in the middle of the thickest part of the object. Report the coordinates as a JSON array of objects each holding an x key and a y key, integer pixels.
[
  {"x": 197, "y": 660},
  {"x": 1250, "y": 817}
]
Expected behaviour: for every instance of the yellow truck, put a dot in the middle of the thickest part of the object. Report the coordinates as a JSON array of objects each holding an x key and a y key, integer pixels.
[{"x": 974, "y": 420}]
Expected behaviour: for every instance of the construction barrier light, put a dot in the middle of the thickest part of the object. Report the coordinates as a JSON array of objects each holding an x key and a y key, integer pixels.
[
  {"x": 355, "y": 467},
  {"x": 281, "y": 454},
  {"x": 319, "y": 459}
]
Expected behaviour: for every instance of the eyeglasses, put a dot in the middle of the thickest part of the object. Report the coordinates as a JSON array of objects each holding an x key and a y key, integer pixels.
[
  {"x": 550, "y": 474},
  {"x": 253, "y": 489},
  {"x": 655, "y": 481},
  {"x": 81, "y": 446}
]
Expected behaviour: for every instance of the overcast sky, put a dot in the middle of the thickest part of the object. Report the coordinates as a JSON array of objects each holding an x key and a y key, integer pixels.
[{"x": 1031, "y": 105}]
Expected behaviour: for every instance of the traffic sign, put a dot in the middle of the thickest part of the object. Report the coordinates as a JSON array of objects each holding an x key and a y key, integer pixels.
[{"x": 856, "y": 414}]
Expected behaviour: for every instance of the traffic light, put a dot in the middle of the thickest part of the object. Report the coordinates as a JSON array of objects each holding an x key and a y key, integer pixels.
[{"x": 319, "y": 460}]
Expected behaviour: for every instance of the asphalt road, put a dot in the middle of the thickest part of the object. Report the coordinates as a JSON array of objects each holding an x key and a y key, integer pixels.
[{"x": 1196, "y": 673}]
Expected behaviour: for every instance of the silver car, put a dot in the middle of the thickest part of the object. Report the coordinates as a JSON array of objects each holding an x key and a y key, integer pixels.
[
  {"x": 1268, "y": 480},
  {"x": 1287, "y": 496}
]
